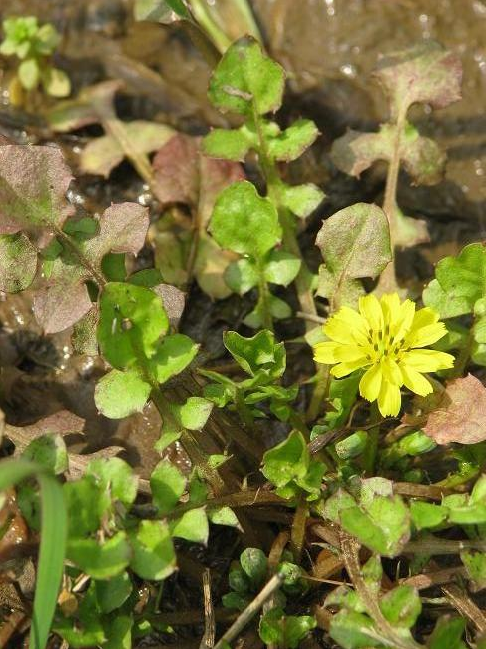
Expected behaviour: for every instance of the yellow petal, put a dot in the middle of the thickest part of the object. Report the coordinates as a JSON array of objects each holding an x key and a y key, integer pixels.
[
  {"x": 424, "y": 317},
  {"x": 343, "y": 369},
  {"x": 427, "y": 360},
  {"x": 403, "y": 320},
  {"x": 415, "y": 381},
  {"x": 391, "y": 371},
  {"x": 390, "y": 304},
  {"x": 427, "y": 335},
  {"x": 389, "y": 399},
  {"x": 326, "y": 352},
  {"x": 370, "y": 384},
  {"x": 370, "y": 309},
  {"x": 346, "y": 326},
  {"x": 350, "y": 353}
]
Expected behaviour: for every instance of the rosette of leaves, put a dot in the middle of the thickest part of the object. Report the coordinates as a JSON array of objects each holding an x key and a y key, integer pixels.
[
  {"x": 184, "y": 247},
  {"x": 246, "y": 223},
  {"x": 34, "y": 46},
  {"x": 248, "y": 576},
  {"x": 459, "y": 291},
  {"x": 263, "y": 360},
  {"x": 426, "y": 74},
  {"x": 389, "y": 620},
  {"x": 250, "y": 84}
]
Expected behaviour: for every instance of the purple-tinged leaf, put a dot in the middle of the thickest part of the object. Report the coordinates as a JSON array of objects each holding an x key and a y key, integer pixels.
[
  {"x": 425, "y": 73},
  {"x": 33, "y": 185},
  {"x": 423, "y": 159},
  {"x": 354, "y": 243},
  {"x": 65, "y": 300},
  {"x": 18, "y": 262},
  {"x": 184, "y": 175}
]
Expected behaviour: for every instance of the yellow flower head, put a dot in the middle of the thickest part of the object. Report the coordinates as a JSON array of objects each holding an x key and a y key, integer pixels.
[{"x": 386, "y": 338}]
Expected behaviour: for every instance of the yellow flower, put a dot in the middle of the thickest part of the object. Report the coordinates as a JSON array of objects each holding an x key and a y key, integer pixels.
[{"x": 386, "y": 338}]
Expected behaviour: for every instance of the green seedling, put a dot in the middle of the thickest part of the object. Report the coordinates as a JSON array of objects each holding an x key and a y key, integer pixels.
[{"x": 33, "y": 45}]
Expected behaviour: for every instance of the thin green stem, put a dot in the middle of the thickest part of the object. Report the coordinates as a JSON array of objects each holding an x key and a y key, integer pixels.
[
  {"x": 209, "y": 25},
  {"x": 463, "y": 357},
  {"x": 263, "y": 305},
  {"x": 243, "y": 409}
]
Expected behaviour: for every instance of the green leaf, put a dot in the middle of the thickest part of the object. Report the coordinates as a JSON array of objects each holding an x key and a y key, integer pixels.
[
  {"x": 448, "y": 633},
  {"x": 353, "y": 630},
  {"x": 112, "y": 593},
  {"x": 230, "y": 145},
  {"x": 281, "y": 267},
  {"x": 287, "y": 461},
  {"x": 153, "y": 552},
  {"x": 223, "y": 516},
  {"x": 18, "y": 262},
  {"x": 100, "y": 560},
  {"x": 52, "y": 544},
  {"x": 192, "y": 526},
  {"x": 383, "y": 525},
  {"x": 173, "y": 355},
  {"x": 29, "y": 74},
  {"x": 48, "y": 451},
  {"x": 195, "y": 413},
  {"x": 301, "y": 200},
  {"x": 247, "y": 80},
  {"x": 291, "y": 143},
  {"x": 119, "y": 394},
  {"x": 86, "y": 504},
  {"x": 132, "y": 321},
  {"x": 167, "y": 485},
  {"x": 118, "y": 632},
  {"x": 401, "y": 606},
  {"x": 425, "y": 73},
  {"x": 355, "y": 243},
  {"x": 475, "y": 564},
  {"x": 245, "y": 222},
  {"x": 242, "y": 275},
  {"x": 116, "y": 477},
  {"x": 259, "y": 354},
  {"x": 255, "y": 565},
  {"x": 459, "y": 282},
  {"x": 427, "y": 515},
  {"x": 284, "y": 630}
]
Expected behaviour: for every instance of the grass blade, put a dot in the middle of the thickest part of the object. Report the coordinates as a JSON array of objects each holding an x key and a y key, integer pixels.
[{"x": 52, "y": 544}]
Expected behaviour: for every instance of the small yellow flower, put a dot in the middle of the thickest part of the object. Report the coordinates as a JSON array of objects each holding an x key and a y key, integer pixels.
[{"x": 385, "y": 338}]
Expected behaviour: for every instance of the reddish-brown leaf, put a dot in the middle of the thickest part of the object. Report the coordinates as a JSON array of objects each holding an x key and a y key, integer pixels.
[{"x": 461, "y": 414}]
